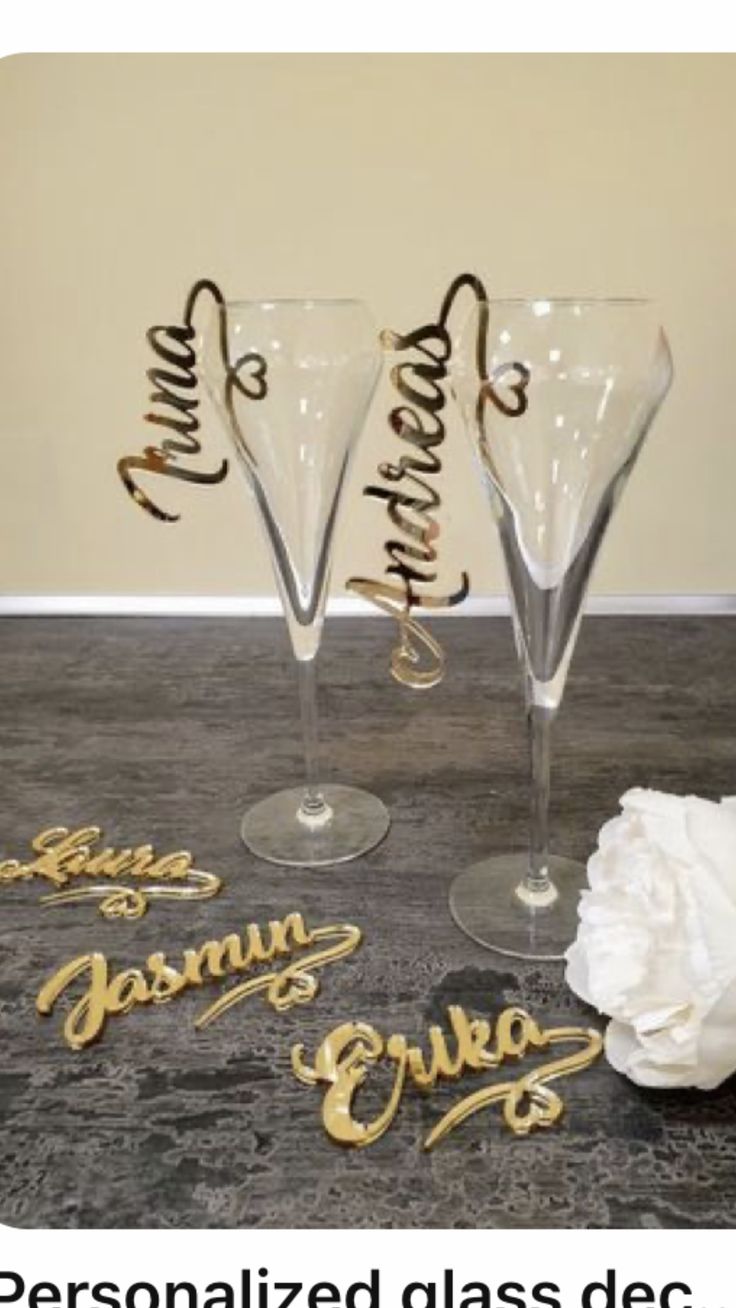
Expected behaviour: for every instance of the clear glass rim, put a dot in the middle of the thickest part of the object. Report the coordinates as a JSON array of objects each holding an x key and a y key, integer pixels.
[
  {"x": 615, "y": 301},
  {"x": 307, "y": 301}
]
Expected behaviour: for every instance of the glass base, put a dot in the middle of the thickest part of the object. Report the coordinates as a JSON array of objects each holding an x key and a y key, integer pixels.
[
  {"x": 485, "y": 903},
  {"x": 355, "y": 822}
]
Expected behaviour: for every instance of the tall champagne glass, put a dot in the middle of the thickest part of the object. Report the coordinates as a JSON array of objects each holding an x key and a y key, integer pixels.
[
  {"x": 292, "y": 381},
  {"x": 557, "y": 396}
]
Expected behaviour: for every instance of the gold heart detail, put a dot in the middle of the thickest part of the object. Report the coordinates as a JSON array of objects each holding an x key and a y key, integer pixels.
[
  {"x": 517, "y": 388},
  {"x": 256, "y": 375}
]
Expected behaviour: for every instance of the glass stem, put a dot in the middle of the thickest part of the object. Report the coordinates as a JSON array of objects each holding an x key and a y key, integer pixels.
[
  {"x": 537, "y": 889},
  {"x": 313, "y": 810}
]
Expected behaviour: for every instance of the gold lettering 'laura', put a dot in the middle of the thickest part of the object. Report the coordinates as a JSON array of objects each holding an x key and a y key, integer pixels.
[
  {"x": 64, "y": 856},
  {"x": 343, "y": 1060},
  {"x": 109, "y": 994}
]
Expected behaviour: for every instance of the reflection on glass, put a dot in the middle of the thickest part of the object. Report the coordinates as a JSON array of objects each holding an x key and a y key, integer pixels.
[
  {"x": 293, "y": 393},
  {"x": 573, "y": 389}
]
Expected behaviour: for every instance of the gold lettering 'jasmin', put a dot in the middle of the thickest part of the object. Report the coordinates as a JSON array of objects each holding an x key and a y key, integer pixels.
[
  {"x": 345, "y": 1056},
  {"x": 64, "y": 856},
  {"x": 110, "y": 994}
]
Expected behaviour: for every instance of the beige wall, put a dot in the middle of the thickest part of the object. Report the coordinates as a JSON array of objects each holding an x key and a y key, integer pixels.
[{"x": 125, "y": 177}]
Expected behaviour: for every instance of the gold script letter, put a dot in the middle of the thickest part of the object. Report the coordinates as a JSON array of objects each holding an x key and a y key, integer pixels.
[{"x": 87, "y": 1018}]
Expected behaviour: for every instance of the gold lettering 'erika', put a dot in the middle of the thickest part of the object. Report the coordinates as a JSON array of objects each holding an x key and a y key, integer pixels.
[
  {"x": 110, "y": 994},
  {"x": 345, "y": 1056},
  {"x": 64, "y": 856}
]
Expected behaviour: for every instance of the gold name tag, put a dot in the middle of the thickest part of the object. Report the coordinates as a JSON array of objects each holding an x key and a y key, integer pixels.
[
  {"x": 110, "y": 994},
  {"x": 343, "y": 1061},
  {"x": 65, "y": 856}
]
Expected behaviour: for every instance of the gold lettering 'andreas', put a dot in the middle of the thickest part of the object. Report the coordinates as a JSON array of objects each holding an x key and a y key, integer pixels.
[
  {"x": 408, "y": 485},
  {"x": 411, "y": 500}
]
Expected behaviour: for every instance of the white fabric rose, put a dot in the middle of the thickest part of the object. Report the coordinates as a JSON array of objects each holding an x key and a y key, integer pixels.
[{"x": 656, "y": 943}]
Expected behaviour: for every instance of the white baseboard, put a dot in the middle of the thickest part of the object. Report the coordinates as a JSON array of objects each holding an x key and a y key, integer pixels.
[{"x": 221, "y": 606}]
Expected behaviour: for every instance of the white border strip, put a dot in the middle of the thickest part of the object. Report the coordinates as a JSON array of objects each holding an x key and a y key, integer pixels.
[{"x": 226, "y": 606}]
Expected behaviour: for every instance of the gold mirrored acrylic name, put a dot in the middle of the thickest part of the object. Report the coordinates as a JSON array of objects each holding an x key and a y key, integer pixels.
[
  {"x": 109, "y": 994},
  {"x": 410, "y": 481},
  {"x": 408, "y": 488},
  {"x": 175, "y": 401},
  {"x": 345, "y": 1056},
  {"x": 65, "y": 856}
]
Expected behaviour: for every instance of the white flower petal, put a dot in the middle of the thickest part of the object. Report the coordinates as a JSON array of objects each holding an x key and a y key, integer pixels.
[{"x": 656, "y": 942}]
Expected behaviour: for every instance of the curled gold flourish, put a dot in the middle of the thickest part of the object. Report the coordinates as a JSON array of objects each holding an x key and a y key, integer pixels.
[
  {"x": 129, "y": 902},
  {"x": 291, "y": 985}
]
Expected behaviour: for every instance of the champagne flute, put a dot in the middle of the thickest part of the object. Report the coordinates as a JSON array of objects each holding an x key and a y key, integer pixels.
[
  {"x": 557, "y": 397},
  {"x": 292, "y": 381}
]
